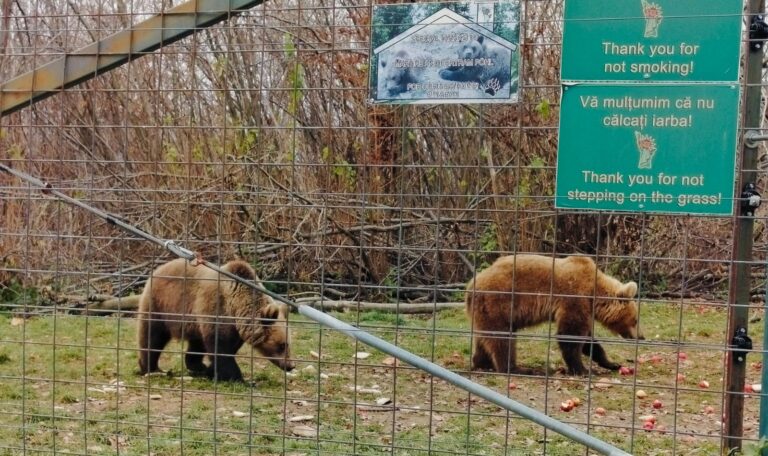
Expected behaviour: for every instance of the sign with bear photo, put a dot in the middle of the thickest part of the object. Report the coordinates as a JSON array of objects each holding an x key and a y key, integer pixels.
[{"x": 458, "y": 52}]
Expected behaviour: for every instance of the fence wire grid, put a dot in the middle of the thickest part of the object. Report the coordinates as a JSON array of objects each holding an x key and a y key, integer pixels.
[{"x": 254, "y": 139}]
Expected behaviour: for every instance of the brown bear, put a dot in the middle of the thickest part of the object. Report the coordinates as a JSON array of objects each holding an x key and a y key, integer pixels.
[
  {"x": 214, "y": 315},
  {"x": 519, "y": 291}
]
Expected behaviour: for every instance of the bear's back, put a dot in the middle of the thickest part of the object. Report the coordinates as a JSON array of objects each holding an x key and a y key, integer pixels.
[
  {"x": 177, "y": 285},
  {"x": 527, "y": 273}
]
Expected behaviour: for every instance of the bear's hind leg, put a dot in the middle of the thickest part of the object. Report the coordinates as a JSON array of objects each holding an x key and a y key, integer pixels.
[
  {"x": 153, "y": 337},
  {"x": 193, "y": 358},
  {"x": 503, "y": 353},
  {"x": 480, "y": 358},
  {"x": 599, "y": 356},
  {"x": 571, "y": 351}
]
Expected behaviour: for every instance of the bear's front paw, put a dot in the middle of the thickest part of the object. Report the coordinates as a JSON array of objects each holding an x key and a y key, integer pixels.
[
  {"x": 576, "y": 371},
  {"x": 611, "y": 366}
]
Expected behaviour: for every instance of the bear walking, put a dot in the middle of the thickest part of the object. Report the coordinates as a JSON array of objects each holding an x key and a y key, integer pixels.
[
  {"x": 214, "y": 314},
  {"x": 519, "y": 291}
]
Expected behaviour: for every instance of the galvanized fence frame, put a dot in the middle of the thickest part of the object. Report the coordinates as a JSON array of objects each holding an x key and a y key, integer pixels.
[{"x": 98, "y": 61}]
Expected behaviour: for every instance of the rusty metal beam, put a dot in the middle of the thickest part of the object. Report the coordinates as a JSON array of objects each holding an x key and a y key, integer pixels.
[{"x": 122, "y": 47}]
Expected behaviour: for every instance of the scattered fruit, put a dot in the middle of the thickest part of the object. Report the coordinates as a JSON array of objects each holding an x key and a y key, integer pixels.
[
  {"x": 709, "y": 410},
  {"x": 704, "y": 384},
  {"x": 600, "y": 411},
  {"x": 646, "y": 418},
  {"x": 576, "y": 401},
  {"x": 640, "y": 394},
  {"x": 623, "y": 370},
  {"x": 657, "y": 404},
  {"x": 649, "y": 425},
  {"x": 757, "y": 387},
  {"x": 512, "y": 385},
  {"x": 748, "y": 388},
  {"x": 682, "y": 356},
  {"x": 566, "y": 406},
  {"x": 680, "y": 378}
]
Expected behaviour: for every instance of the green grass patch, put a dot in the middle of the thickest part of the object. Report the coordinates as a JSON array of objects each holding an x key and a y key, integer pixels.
[{"x": 71, "y": 383}]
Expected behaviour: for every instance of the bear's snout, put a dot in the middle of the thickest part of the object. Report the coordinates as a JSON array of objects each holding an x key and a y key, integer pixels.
[{"x": 283, "y": 363}]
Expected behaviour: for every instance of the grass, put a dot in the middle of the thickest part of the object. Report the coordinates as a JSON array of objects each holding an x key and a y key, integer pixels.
[{"x": 69, "y": 384}]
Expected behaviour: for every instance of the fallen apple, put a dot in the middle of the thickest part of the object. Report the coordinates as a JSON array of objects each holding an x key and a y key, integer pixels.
[
  {"x": 600, "y": 411},
  {"x": 512, "y": 385},
  {"x": 704, "y": 384},
  {"x": 682, "y": 355},
  {"x": 640, "y": 394},
  {"x": 657, "y": 404},
  {"x": 648, "y": 425},
  {"x": 623, "y": 370},
  {"x": 680, "y": 378}
]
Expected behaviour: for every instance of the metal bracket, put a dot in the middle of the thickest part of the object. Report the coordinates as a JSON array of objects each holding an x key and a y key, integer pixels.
[
  {"x": 758, "y": 32},
  {"x": 752, "y": 138},
  {"x": 742, "y": 343},
  {"x": 750, "y": 199}
]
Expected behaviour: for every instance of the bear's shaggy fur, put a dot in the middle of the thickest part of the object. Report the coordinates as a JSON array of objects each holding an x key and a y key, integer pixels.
[
  {"x": 519, "y": 291},
  {"x": 214, "y": 314}
]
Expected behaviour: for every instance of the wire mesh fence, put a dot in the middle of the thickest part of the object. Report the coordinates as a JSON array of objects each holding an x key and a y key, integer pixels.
[{"x": 255, "y": 139}]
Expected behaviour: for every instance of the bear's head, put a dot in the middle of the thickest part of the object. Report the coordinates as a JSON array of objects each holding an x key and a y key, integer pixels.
[
  {"x": 394, "y": 73},
  {"x": 273, "y": 339},
  {"x": 473, "y": 49},
  {"x": 618, "y": 311},
  {"x": 259, "y": 320}
]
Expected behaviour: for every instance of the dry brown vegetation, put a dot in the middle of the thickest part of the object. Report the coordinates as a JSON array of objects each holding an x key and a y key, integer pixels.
[{"x": 255, "y": 138}]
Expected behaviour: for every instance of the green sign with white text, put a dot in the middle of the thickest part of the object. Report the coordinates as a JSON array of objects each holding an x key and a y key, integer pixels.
[
  {"x": 653, "y": 41},
  {"x": 648, "y": 147}
]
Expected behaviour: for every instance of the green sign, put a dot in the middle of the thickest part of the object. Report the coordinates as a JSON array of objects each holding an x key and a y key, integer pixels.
[
  {"x": 652, "y": 40},
  {"x": 648, "y": 147}
]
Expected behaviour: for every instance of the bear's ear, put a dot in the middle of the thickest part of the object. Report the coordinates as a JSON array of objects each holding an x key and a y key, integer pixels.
[
  {"x": 627, "y": 290},
  {"x": 241, "y": 269},
  {"x": 480, "y": 39},
  {"x": 269, "y": 314}
]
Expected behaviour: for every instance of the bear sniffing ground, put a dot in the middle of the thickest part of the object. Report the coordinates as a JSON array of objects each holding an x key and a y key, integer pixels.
[
  {"x": 214, "y": 314},
  {"x": 520, "y": 291}
]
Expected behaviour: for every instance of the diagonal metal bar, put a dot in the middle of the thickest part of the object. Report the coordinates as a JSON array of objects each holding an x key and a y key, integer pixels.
[{"x": 115, "y": 50}]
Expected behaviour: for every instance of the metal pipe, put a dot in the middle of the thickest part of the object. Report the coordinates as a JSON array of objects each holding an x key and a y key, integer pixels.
[{"x": 115, "y": 50}]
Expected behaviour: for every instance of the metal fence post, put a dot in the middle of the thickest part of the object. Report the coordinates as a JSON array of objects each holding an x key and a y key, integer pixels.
[{"x": 739, "y": 297}]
